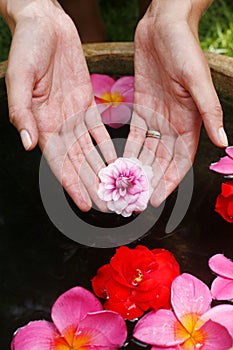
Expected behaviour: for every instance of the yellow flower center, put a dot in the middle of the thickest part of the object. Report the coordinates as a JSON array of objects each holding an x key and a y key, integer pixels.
[
  {"x": 189, "y": 329},
  {"x": 137, "y": 278},
  {"x": 72, "y": 341},
  {"x": 114, "y": 98}
]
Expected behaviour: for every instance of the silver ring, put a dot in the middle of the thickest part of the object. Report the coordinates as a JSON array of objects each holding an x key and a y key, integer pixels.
[{"x": 153, "y": 133}]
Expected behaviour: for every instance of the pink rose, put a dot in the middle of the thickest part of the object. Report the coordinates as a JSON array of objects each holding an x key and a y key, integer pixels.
[{"x": 125, "y": 186}]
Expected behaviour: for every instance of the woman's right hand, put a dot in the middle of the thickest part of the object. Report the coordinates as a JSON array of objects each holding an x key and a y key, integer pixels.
[{"x": 50, "y": 96}]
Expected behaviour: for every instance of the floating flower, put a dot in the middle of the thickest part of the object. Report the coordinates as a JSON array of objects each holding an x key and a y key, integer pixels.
[
  {"x": 114, "y": 98},
  {"x": 78, "y": 323},
  {"x": 222, "y": 286},
  {"x": 136, "y": 280},
  {"x": 192, "y": 324},
  {"x": 125, "y": 186},
  {"x": 224, "y": 202},
  {"x": 225, "y": 164}
]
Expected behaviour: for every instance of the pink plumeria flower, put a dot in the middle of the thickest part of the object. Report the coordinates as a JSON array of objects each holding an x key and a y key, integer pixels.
[
  {"x": 114, "y": 98},
  {"x": 125, "y": 186},
  {"x": 192, "y": 324},
  {"x": 78, "y": 323},
  {"x": 222, "y": 286},
  {"x": 225, "y": 164}
]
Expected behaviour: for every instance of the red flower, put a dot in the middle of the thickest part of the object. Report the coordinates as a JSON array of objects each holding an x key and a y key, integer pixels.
[
  {"x": 136, "y": 280},
  {"x": 224, "y": 202}
]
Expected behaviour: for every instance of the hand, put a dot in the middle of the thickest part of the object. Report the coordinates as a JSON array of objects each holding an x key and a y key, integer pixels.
[
  {"x": 51, "y": 100},
  {"x": 174, "y": 93}
]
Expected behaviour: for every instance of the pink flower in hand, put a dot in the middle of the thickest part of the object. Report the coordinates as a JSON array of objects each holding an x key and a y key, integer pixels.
[
  {"x": 222, "y": 286},
  {"x": 114, "y": 98},
  {"x": 78, "y": 323},
  {"x": 125, "y": 186},
  {"x": 225, "y": 164},
  {"x": 192, "y": 324}
]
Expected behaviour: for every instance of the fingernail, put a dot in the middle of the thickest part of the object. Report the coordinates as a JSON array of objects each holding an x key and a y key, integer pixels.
[
  {"x": 26, "y": 139},
  {"x": 223, "y": 137}
]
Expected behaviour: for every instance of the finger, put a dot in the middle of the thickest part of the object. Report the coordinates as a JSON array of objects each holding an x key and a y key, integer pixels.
[
  {"x": 86, "y": 173},
  {"x": 20, "y": 84},
  {"x": 206, "y": 100},
  {"x": 56, "y": 154},
  {"x": 90, "y": 124},
  {"x": 99, "y": 133},
  {"x": 89, "y": 151},
  {"x": 136, "y": 136},
  {"x": 79, "y": 161},
  {"x": 91, "y": 182},
  {"x": 147, "y": 154},
  {"x": 163, "y": 157},
  {"x": 184, "y": 152}
]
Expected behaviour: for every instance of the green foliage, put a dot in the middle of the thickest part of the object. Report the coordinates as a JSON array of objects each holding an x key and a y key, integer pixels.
[
  {"x": 5, "y": 39},
  {"x": 120, "y": 17},
  {"x": 216, "y": 28}
]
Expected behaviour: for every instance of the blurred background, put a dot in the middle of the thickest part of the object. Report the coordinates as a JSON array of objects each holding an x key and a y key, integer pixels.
[{"x": 121, "y": 16}]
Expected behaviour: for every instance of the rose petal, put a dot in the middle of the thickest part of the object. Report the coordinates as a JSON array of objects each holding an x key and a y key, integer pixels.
[
  {"x": 222, "y": 289},
  {"x": 116, "y": 116},
  {"x": 227, "y": 189},
  {"x": 72, "y": 306},
  {"x": 223, "y": 166},
  {"x": 230, "y": 209},
  {"x": 102, "y": 84},
  {"x": 229, "y": 151},
  {"x": 216, "y": 336},
  {"x": 127, "y": 308},
  {"x": 37, "y": 335},
  {"x": 117, "y": 206},
  {"x": 158, "y": 328},
  {"x": 222, "y": 314},
  {"x": 221, "y": 265},
  {"x": 110, "y": 329},
  {"x": 125, "y": 87},
  {"x": 224, "y": 204},
  {"x": 189, "y": 295},
  {"x": 99, "y": 282}
]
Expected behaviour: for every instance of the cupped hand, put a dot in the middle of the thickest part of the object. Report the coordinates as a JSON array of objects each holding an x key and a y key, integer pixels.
[
  {"x": 174, "y": 93},
  {"x": 51, "y": 100}
]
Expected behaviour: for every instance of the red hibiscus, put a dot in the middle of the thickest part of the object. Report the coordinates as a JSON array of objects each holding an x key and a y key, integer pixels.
[
  {"x": 224, "y": 202},
  {"x": 136, "y": 280}
]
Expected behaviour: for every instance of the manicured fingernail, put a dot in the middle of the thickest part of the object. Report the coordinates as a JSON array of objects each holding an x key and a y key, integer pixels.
[
  {"x": 26, "y": 139},
  {"x": 223, "y": 137}
]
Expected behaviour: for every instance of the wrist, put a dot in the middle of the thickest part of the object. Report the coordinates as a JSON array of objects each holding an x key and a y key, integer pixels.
[
  {"x": 164, "y": 14},
  {"x": 14, "y": 11},
  {"x": 176, "y": 10}
]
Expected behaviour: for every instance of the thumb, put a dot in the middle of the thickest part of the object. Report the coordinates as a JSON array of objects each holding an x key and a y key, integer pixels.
[
  {"x": 205, "y": 97},
  {"x": 19, "y": 91}
]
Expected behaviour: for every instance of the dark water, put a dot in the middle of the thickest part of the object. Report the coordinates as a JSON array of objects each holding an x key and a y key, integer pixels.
[{"x": 38, "y": 263}]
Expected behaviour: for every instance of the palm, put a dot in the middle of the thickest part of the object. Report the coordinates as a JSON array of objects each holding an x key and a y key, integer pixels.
[
  {"x": 58, "y": 95},
  {"x": 165, "y": 68}
]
